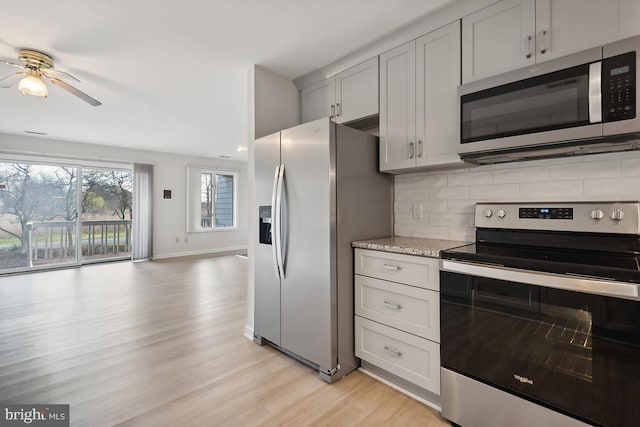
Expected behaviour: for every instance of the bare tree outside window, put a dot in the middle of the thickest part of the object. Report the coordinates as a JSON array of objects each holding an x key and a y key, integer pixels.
[
  {"x": 39, "y": 212},
  {"x": 206, "y": 200}
]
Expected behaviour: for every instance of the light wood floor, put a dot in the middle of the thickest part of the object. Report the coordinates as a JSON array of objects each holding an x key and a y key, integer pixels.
[{"x": 161, "y": 344}]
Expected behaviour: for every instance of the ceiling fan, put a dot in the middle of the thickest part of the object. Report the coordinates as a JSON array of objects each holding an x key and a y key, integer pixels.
[{"x": 37, "y": 65}]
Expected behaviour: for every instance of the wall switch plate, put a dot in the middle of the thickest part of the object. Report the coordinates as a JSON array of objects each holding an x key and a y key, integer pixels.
[{"x": 416, "y": 210}]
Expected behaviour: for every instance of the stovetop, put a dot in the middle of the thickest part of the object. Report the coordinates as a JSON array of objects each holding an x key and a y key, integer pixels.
[
  {"x": 563, "y": 238},
  {"x": 603, "y": 265}
]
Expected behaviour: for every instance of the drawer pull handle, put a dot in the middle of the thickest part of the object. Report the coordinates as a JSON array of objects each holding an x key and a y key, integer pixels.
[
  {"x": 392, "y": 305},
  {"x": 392, "y": 351},
  {"x": 392, "y": 267}
]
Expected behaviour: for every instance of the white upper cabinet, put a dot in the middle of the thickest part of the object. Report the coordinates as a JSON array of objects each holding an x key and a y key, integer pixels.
[
  {"x": 357, "y": 92},
  {"x": 437, "y": 79},
  {"x": 565, "y": 26},
  {"x": 418, "y": 102},
  {"x": 316, "y": 100},
  {"x": 398, "y": 108},
  {"x": 498, "y": 38},
  {"x": 516, "y": 33},
  {"x": 347, "y": 96}
]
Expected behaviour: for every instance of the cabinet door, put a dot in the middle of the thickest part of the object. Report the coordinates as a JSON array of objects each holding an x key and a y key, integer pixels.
[
  {"x": 398, "y": 108},
  {"x": 316, "y": 100},
  {"x": 423, "y": 272},
  {"x": 408, "y": 308},
  {"x": 410, "y": 357},
  {"x": 357, "y": 92},
  {"x": 437, "y": 79},
  {"x": 565, "y": 26},
  {"x": 498, "y": 38}
]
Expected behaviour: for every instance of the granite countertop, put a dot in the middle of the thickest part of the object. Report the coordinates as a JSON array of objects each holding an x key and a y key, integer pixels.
[{"x": 409, "y": 245}]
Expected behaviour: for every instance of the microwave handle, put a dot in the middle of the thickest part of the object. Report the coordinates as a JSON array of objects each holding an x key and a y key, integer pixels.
[{"x": 595, "y": 92}]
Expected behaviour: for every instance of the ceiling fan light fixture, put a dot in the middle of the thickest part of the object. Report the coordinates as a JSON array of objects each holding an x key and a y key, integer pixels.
[{"x": 33, "y": 85}]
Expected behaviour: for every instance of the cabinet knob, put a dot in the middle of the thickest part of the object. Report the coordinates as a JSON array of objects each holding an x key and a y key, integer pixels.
[
  {"x": 392, "y": 267},
  {"x": 543, "y": 35},
  {"x": 396, "y": 353},
  {"x": 392, "y": 305},
  {"x": 527, "y": 42}
]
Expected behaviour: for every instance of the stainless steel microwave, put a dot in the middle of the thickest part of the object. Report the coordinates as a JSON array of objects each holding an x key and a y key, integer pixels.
[{"x": 578, "y": 104}]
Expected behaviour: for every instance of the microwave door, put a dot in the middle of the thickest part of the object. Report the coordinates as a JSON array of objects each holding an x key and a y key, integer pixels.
[{"x": 550, "y": 108}]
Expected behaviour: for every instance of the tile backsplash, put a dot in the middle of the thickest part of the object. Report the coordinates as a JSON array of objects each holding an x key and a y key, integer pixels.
[{"x": 440, "y": 205}]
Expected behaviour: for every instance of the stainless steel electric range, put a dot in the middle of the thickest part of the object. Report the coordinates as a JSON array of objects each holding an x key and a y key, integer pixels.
[{"x": 540, "y": 318}]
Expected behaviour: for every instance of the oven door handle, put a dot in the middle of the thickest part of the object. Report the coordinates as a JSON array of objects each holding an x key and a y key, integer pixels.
[{"x": 550, "y": 280}]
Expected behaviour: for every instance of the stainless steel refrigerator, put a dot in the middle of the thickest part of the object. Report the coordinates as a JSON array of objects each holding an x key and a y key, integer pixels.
[{"x": 317, "y": 189}]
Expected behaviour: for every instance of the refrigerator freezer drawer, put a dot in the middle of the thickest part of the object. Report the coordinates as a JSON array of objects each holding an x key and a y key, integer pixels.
[
  {"x": 410, "y": 357},
  {"x": 408, "y": 269},
  {"x": 409, "y": 308}
]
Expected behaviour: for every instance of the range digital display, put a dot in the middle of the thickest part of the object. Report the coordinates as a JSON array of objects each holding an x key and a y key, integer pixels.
[{"x": 546, "y": 213}]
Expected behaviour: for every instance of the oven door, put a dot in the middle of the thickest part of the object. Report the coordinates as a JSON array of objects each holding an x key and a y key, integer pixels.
[{"x": 574, "y": 352}]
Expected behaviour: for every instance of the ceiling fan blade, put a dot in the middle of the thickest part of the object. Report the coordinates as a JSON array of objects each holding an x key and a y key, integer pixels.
[
  {"x": 76, "y": 92},
  {"x": 11, "y": 63},
  {"x": 52, "y": 74},
  {"x": 9, "y": 84}
]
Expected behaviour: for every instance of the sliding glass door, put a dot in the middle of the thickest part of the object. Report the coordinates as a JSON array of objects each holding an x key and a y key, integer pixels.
[
  {"x": 38, "y": 215},
  {"x": 106, "y": 214},
  {"x": 61, "y": 215}
]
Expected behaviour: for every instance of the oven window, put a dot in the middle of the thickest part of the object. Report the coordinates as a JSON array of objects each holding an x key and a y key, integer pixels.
[
  {"x": 551, "y": 101},
  {"x": 570, "y": 351}
]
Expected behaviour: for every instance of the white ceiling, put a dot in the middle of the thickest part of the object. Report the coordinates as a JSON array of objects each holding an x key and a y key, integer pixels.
[{"x": 172, "y": 75}]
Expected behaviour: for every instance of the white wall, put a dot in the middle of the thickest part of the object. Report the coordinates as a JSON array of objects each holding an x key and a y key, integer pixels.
[
  {"x": 170, "y": 173},
  {"x": 448, "y": 198}
]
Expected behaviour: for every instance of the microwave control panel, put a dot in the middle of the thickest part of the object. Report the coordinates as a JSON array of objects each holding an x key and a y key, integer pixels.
[{"x": 619, "y": 87}]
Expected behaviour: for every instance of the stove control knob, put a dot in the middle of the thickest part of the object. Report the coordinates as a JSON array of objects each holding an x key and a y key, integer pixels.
[
  {"x": 617, "y": 215},
  {"x": 488, "y": 213},
  {"x": 502, "y": 213},
  {"x": 597, "y": 214}
]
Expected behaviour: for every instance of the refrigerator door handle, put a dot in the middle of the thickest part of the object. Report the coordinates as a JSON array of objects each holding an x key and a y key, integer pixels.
[
  {"x": 278, "y": 220},
  {"x": 275, "y": 224}
]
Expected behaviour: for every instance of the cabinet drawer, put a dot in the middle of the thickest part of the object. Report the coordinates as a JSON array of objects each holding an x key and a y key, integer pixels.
[
  {"x": 410, "y": 357},
  {"x": 411, "y": 309},
  {"x": 411, "y": 270}
]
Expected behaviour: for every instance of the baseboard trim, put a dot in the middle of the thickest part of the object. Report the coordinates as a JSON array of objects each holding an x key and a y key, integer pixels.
[
  {"x": 234, "y": 250},
  {"x": 248, "y": 332},
  {"x": 401, "y": 390}
]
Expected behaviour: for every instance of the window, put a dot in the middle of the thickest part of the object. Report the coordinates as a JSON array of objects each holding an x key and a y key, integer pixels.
[
  {"x": 223, "y": 200},
  {"x": 215, "y": 203}
]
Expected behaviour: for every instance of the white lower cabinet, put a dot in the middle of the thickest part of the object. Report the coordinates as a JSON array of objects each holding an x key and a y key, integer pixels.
[
  {"x": 408, "y": 308},
  {"x": 397, "y": 322},
  {"x": 408, "y": 356}
]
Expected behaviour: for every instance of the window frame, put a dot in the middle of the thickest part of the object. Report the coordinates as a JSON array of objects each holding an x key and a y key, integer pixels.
[{"x": 194, "y": 225}]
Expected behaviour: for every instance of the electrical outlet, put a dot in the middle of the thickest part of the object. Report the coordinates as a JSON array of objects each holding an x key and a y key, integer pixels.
[
  {"x": 416, "y": 210},
  {"x": 177, "y": 240}
]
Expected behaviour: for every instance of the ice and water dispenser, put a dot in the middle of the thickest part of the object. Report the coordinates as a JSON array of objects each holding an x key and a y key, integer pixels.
[{"x": 264, "y": 214}]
